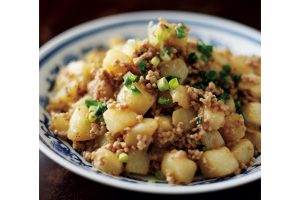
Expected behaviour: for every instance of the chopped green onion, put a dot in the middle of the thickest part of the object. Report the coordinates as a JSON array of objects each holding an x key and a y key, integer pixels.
[
  {"x": 243, "y": 114},
  {"x": 173, "y": 83},
  {"x": 133, "y": 78},
  {"x": 226, "y": 68},
  {"x": 90, "y": 103},
  {"x": 155, "y": 61},
  {"x": 134, "y": 90},
  {"x": 206, "y": 50},
  {"x": 224, "y": 96},
  {"x": 171, "y": 77},
  {"x": 127, "y": 82},
  {"x": 164, "y": 101},
  {"x": 180, "y": 32},
  {"x": 123, "y": 157},
  {"x": 163, "y": 84},
  {"x": 92, "y": 117},
  {"x": 165, "y": 53},
  {"x": 100, "y": 110},
  {"x": 236, "y": 78},
  {"x": 199, "y": 86},
  {"x": 198, "y": 121},
  {"x": 192, "y": 58},
  {"x": 142, "y": 67},
  {"x": 237, "y": 104},
  {"x": 212, "y": 75},
  {"x": 159, "y": 175}
]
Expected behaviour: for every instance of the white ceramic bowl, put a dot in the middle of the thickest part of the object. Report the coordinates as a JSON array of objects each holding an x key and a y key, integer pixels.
[{"x": 73, "y": 43}]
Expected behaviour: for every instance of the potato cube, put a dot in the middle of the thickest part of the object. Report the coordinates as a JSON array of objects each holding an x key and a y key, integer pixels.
[
  {"x": 112, "y": 59},
  {"x": 215, "y": 119},
  {"x": 138, "y": 162},
  {"x": 176, "y": 67},
  {"x": 218, "y": 163},
  {"x": 252, "y": 84},
  {"x": 234, "y": 128},
  {"x": 212, "y": 140},
  {"x": 164, "y": 123},
  {"x": 140, "y": 103},
  {"x": 252, "y": 113},
  {"x": 60, "y": 123},
  {"x": 230, "y": 103},
  {"x": 255, "y": 137},
  {"x": 179, "y": 166},
  {"x": 243, "y": 151},
  {"x": 185, "y": 116},
  {"x": 107, "y": 161},
  {"x": 180, "y": 96},
  {"x": 146, "y": 128},
  {"x": 79, "y": 126},
  {"x": 118, "y": 119}
]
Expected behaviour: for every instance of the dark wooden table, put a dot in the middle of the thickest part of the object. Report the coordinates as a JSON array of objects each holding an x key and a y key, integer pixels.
[{"x": 59, "y": 15}]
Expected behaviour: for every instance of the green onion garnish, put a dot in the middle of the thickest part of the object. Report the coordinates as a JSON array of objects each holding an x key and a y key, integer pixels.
[
  {"x": 142, "y": 67},
  {"x": 155, "y": 61},
  {"x": 198, "y": 121},
  {"x": 95, "y": 107},
  {"x": 192, "y": 58},
  {"x": 226, "y": 68},
  {"x": 236, "y": 78},
  {"x": 134, "y": 90},
  {"x": 206, "y": 50},
  {"x": 173, "y": 83},
  {"x": 163, "y": 84},
  {"x": 212, "y": 75},
  {"x": 224, "y": 96},
  {"x": 199, "y": 86},
  {"x": 159, "y": 175},
  {"x": 164, "y": 100},
  {"x": 180, "y": 32}
]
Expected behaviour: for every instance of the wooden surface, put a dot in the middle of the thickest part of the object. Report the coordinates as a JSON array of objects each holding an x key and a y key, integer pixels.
[{"x": 59, "y": 15}]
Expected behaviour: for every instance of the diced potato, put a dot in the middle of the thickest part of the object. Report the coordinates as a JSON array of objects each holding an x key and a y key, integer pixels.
[
  {"x": 66, "y": 95},
  {"x": 108, "y": 162},
  {"x": 212, "y": 140},
  {"x": 130, "y": 47},
  {"x": 138, "y": 162},
  {"x": 181, "y": 168},
  {"x": 255, "y": 137},
  {"x": 221, "y": 57},
  {"x": 60, "y": 123},
  {"x": 164, "y": 123},
  {"x": 185, "y": 116},
  {"x": 180, "y": 96},
  {"x": 252, "y": 113},
  {"x": 230, "y": 103},
  {"x": 116, "y": 119},
  {"x": 145, "y": 128},
  {"x": 234, "y": 128},
  {"x": 140, "y": 103},
  {"x": 215, "y": 119},
  {"x": 218, "y": 163},
  {"x": 243, "y": 151},
  {"x": 253, "y": 86},
  {"x": 176, "y": 67},
  {"x": 79, "y": 128},
  {"x": 111, "y": 60}
]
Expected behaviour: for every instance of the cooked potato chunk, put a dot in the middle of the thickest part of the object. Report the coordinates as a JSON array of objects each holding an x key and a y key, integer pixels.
[
  {"x": 218, "y": 162},
  {"x": 230, "y": 103},
  {"x": 112, "y": 59},
  {"x": 180, "y": 96},
  {"x": 118, "y": 119},
  {"x": 212, "y": 140},
  {"x": 145, "y": 128},
  {"x": 234, "y": 128},
  {"x": 255, "y": 137},
  {"x": 140, "y": 103},
  {"x": 64, "y": 97},
  {"x": 185, "y": 116},
  {"x": 252, "y": 113},
  {"x": 179, "y": 166},
  {"x": 79, "y": 128},
  {"x": 164, "y": 123},
  {"x": 251, "y": 83},
  {"x": 215, "y": 119},
  {"x": 138, "y": 162},
  {"x": 176, "y": 67},
  {"x": 243, "y": 151},
  {"x": 244, "y": 64},
  {"x": 60, "y": 123},
  {"x": 107, "y": 161}
]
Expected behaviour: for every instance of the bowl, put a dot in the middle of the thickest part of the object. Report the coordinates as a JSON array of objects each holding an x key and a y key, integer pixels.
[{"x": 72, "y": 44}]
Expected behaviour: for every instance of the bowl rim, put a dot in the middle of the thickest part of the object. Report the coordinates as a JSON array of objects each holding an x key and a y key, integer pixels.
[{"x": 127, "y": 185}]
